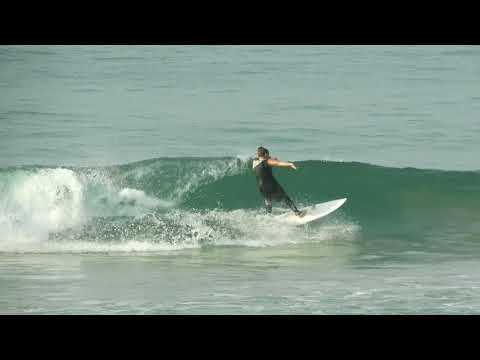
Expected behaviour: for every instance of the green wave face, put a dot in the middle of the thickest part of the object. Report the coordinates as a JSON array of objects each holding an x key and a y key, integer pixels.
[{"x": 198, "y": 201}]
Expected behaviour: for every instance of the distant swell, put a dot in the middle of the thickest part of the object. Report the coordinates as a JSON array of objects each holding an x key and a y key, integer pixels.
[{"x": 177, "y": 203}]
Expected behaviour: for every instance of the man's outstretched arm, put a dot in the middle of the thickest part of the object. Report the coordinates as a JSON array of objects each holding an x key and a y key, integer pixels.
[{"x": 279, "y": 163}]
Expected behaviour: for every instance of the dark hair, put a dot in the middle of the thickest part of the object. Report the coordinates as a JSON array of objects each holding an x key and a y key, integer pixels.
[{"x": 261, "y": 151}]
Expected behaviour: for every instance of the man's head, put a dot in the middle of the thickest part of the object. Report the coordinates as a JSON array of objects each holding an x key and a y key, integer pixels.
[{"x": 262, "y": 152}]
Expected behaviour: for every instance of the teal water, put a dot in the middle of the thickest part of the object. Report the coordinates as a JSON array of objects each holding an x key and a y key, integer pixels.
[{"x": 125, "y": 181}]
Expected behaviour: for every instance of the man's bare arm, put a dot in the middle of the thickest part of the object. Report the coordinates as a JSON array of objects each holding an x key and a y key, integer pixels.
[{"x": 279, "y": 163}]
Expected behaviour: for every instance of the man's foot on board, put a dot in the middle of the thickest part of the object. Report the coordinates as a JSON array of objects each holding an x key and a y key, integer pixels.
[{"x": 300, "y": 213}]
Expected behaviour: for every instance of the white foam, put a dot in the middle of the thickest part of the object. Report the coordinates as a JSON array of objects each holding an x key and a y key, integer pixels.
[
  {"x": 260, "y": 230},
  {"x": 106, "y": 196},
  {"x": 254, "y": 228},
  {"x": 138, "y": 197},
  {"x": 188, "y": 229},
  {"x": 36, "y": 204},
  {"x": 93, "y": 247}
]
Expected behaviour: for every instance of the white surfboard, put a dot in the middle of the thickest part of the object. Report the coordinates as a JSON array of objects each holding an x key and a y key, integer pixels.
[{"x": 314, "y": 212}]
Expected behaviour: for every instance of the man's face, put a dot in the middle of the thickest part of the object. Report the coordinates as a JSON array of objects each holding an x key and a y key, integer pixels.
[{"x": 266, "y": 156}]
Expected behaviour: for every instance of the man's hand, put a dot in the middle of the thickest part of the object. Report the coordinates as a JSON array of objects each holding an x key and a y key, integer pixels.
[{"x": 292, "y": 165}]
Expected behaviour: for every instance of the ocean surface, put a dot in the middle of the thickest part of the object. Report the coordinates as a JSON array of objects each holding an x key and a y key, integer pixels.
[{"x": 126, "y": 183}]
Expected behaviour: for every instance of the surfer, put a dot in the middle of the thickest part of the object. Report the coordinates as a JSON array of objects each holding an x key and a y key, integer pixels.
[{"x": 267, "y": 184}]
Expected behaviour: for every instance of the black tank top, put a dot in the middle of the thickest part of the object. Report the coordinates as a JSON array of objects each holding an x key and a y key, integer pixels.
[{"x": 266, "y": 181}]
